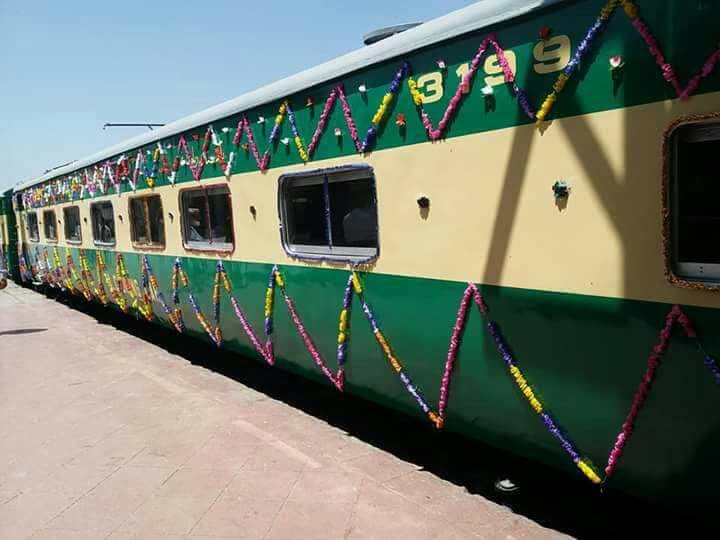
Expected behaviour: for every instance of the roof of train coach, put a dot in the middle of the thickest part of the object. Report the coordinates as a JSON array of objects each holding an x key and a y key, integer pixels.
[{"x": 474, "y": 17}]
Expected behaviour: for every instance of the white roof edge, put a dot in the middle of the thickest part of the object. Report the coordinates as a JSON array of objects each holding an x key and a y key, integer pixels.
[{"x": 474, "y": 17}]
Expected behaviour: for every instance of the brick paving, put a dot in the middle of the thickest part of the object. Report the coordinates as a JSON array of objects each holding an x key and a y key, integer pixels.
[{"x": 105, "y": 435}]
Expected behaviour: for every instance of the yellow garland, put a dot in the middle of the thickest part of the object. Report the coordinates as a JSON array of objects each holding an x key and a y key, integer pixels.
[
  {"x": 301, "y": 148},
  {"x": 226, "y": 281},
  {"x": 342, "y": 326},
  {"x": 526, "y": 389},
  {"x": 414, "y": 92},
  {"x": 588, "y": 471},
  {"x": 268, "y": 302},
  {"x": 153, "y": 284},
  {"x": 630, "y": 8},
  {"x": 382, "y": 109},
  {"x": 281, "y": 112},
  {"x": 356, "y": 284},
  {"x": 386, "y": 349},
  {"x": 605, "y": 12},
  {"x": 545, "y": 107},
  {"x": 560, "y": 83},
  {"x": 279, "y": 279}
]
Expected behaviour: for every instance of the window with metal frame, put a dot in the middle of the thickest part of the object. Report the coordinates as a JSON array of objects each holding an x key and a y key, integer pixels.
[
  {"x": 694, "y": 192},
  {"x": 103, "y": 223},
  {"x": 50, "y": 225},
  {"x": 147, "y": 227},
  {"x": 207, "y": 219},
  {"x": 72, "y": 225},
  {"x": 330, "y": 214},
  {"x": 32, "y": 227}
]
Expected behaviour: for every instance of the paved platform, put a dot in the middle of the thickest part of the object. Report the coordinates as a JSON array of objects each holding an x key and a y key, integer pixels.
[{"x": 105, "y": 435}]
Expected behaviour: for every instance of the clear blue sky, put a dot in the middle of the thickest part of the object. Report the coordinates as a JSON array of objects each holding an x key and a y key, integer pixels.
[{"x": 67, "y": 67}]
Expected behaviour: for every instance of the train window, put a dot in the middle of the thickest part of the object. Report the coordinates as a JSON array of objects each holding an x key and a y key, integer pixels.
[
  {"x": 103, "y": 223},
  {"x": 330, "y": 213},
  {"x": 50, "y": 225},
  {"x": 32, "y": 227},
  {"x": 693, "y": 192},
  {"x": 73, "y": 231},
  {"x": 207, "y": 219},
  {"x": 146, "y": 217}
]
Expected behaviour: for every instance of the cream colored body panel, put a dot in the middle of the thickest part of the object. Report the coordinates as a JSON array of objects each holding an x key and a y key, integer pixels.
[{"x": 492, "y": 216}]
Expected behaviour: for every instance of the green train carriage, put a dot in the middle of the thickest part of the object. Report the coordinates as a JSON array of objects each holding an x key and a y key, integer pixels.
[{"x": 537, "y": 173}]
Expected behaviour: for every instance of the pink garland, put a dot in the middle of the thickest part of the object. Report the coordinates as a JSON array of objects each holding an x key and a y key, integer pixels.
[
  {"x": 338, "y": 379},
  {"x": 335, "y": 93},
  {"x": 436, "y": 133},
  {"x": 348, "y": 117},
  {"x": 250, "y": 332},
  {"x": 452, "y": 350},
  {"x": 244, "y": 125},
  {"x": 196, "y": 170},
  {"x": 502, "y": 60},
  {"x": 667, "y": 69},
  {"x": 321, "y": 121},
  {"x": 675, "y": 315}
]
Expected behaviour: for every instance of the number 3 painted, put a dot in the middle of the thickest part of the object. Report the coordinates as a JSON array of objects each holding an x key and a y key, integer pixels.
[{"x": 431, "y": 82}]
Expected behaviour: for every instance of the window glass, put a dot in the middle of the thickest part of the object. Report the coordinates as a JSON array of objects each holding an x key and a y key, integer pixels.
[
  {"x": 73, "y": 232},
  {"x": 157, "y": 223},
  {"x": 353, "y": 211},
  {"x": 50, "y": 225},
  {"x": 147, "y": 226},
  {"x": 694, "y": 198},
  {"x": 305, "y": 206},
  {"x": 207, "y": 219},
  {"x": 32, "y": 226},
  {"x": 138, "y": 221},
  {"x": 220, "y": 218},
  {"x": 331, "y": 213},
  {"x": 103, "y": 223}
]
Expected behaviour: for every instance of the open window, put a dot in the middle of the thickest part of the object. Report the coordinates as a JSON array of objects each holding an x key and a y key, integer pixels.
[
  {"x": 73, "y": 230},
  {"x": 207, "y": 219},
  {"x": 147, "y": 227},
  {"x": 103, "y": 223},
  {"x": 50, "y": 225},
  {"x": 32, "y": 227},
  {"x": 330, "y": 213},
  {"x": 694, "y": 192}
]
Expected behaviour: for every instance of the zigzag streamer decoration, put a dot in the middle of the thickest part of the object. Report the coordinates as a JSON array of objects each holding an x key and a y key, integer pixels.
[
  {"x": 354, "y": 288},
  {"x": 335, "y": 93},
  {"x": 79, "y": 182}
]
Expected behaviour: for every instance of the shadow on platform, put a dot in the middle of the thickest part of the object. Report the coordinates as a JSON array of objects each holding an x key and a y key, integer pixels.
[
  {"x": 21, "y": 331},
  {"x": 554, "y": 500}
]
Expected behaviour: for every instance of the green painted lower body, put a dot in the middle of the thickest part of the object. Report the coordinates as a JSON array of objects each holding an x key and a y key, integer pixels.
[
  {"x": 9, "y": 260},
  {"x": 584, "y": 356}
]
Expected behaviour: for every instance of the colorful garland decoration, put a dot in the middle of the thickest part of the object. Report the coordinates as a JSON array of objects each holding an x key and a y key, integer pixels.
[
  {"x": 324, "y": 115},
  {"x": 296, "y": 135},
  {"x": 244, "y": 127},
  {"x": 276, "y": 280},
  {"x": 85, "y": 283},
  {"x": 382, "y": 112},
  {"x": 95, "y": 178},
  {"x": 596, "y": 29}
]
